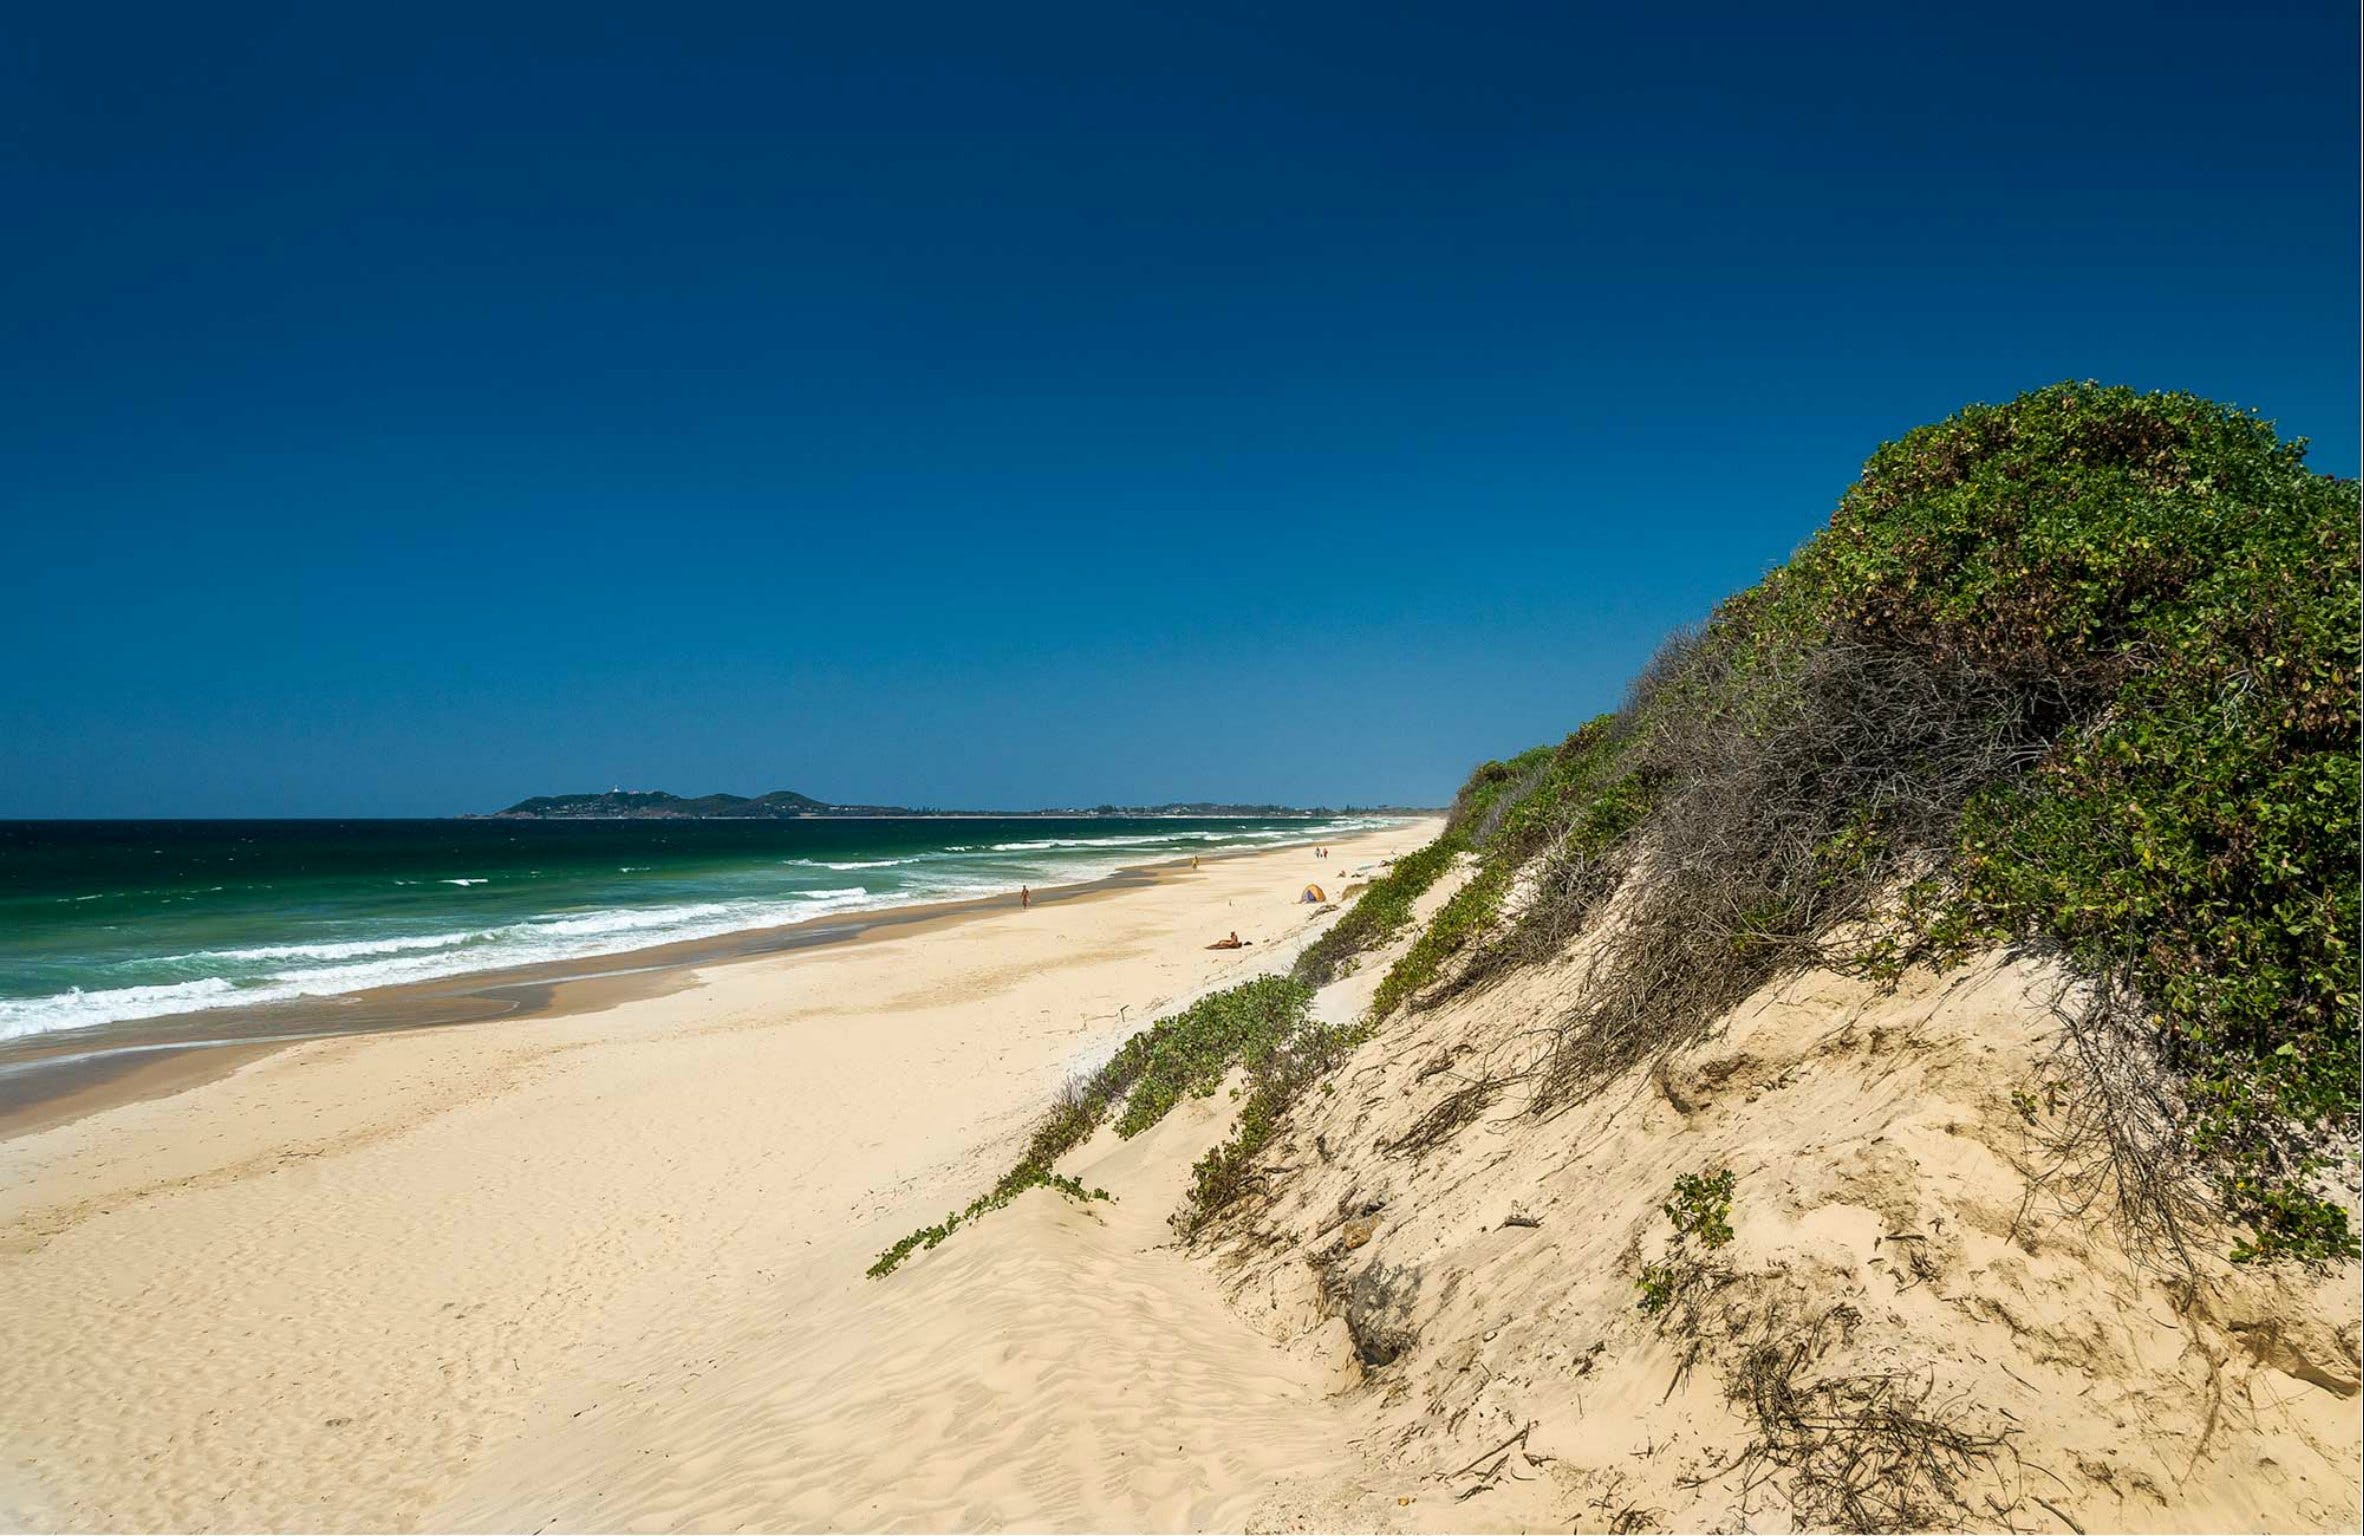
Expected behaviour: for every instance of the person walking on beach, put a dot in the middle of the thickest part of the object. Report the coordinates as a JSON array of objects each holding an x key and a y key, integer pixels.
[{"x": 1025, "y": 898}]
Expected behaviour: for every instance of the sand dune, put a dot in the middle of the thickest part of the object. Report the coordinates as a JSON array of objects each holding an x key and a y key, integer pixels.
[{"x": 1906, "y": 1234}]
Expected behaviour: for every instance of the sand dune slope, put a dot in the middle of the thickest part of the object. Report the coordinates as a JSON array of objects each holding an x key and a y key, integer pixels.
[
  {"x": 1054, "y": 1366},
  {"x": 1926, "y": 1316}
]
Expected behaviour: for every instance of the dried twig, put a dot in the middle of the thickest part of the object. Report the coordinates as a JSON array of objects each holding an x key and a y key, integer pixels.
[
  {"x": 1791, "y": 794},
  {"x": 1862, "y": 1451},
  {"x": 1519, "y": 1439}
]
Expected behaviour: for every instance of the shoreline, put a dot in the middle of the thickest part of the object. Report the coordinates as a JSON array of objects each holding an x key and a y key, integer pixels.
[
  {"x": 378, "y": 1281},
  {"x": 50, "y": 1080}
]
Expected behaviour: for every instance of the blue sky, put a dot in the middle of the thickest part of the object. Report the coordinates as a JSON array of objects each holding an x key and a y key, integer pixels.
[{"x": 405, "y": 410}]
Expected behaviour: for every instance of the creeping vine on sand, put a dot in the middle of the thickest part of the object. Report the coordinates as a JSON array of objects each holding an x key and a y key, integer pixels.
[{"x": 1186, "y": 1054}]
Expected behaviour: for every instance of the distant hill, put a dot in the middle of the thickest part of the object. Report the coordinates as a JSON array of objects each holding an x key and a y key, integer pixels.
[
  {"x": 787, "y": 804},
  {"x": 657, "y": 805}
]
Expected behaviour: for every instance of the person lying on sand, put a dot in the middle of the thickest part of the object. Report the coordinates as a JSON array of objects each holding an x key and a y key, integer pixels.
[{"x": 1234, "y": 942}]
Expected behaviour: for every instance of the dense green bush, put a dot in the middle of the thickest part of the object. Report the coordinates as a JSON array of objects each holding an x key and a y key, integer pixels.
[
  {"x": 2183, "y": 592},
  {"x": 1491, "y": 791},
  {"x": 2078, "y": 670}
]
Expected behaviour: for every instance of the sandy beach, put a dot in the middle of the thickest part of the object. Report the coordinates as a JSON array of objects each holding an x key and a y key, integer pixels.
[{"x": 604, "y": 1268}]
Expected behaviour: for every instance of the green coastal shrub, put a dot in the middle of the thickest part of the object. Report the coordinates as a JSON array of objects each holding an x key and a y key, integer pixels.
[
  {"x": 2183, "y": 593},
  {"x": 1573, "y": 799},
  {"x": 2077, "y": 671},
  {"x": 1191, "y": 1053},
  {"x": 1012, "y": 1185},
  {"x": 1379, "y": 914},
  {"x": 1493, "y": 790},
  {"x": 1700, "y": 1211},
  {"x": 1504, "y": 813},
  {"x": 1187, "y": 1053},
  {"x": 1228, "y": 1173},
  {"x": 1466, "y": 914}
]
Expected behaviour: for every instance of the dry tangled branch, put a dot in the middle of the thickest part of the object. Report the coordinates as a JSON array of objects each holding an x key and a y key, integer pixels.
[
  {"x": 1792, "y": 791},
  {"x": 1860, "y": 1451},
  {"x": 1455, "y": 1110},
  {"x": 2111, "y": 1137}
]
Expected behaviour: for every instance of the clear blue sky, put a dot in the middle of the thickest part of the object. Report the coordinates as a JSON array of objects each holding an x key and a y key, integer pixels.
[{"x": 407, "y": 409}]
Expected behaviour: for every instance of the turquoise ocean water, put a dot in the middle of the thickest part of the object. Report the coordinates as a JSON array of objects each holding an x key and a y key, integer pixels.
[{"x": 103, "y": 922}]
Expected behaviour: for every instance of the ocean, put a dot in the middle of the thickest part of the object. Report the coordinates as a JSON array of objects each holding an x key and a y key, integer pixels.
[{"x": 105, "y": 922}]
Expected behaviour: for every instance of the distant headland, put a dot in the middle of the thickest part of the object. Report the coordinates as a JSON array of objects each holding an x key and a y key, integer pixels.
[{"x": 788, "y": 805}]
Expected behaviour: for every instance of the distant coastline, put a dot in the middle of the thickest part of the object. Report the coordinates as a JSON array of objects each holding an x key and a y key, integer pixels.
[
  {"x": 110, "y": 922},
  {"x": 788, "y": 805},
  {"x": 51, "y": 1078}
]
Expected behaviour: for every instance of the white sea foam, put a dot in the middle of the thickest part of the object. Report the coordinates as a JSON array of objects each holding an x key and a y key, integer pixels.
[
  {"x": 1045, "y": 844},
  {"x": 71, "y": 1010},
  {"x": 622, "y": 920},
  {"x": 362, "y": 964},
  {"x": 1148, "y": 840},
  {"x": 337, "y": 951},
  {"x": 267, "y": 973}
]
